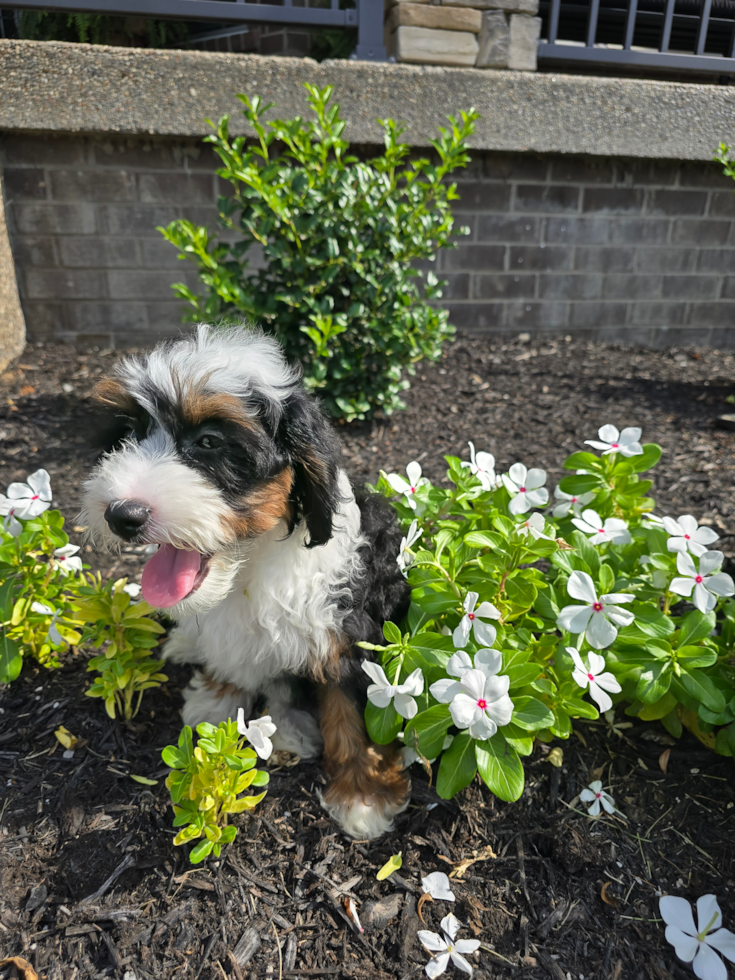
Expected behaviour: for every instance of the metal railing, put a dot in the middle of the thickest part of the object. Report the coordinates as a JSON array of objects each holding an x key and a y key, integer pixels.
[
  {"x": 669, "y": 35},
  {"x": 366, "y": 16}
]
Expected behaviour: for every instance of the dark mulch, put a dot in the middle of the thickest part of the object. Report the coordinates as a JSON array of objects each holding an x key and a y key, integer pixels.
[{"x": 90, "y": 884}]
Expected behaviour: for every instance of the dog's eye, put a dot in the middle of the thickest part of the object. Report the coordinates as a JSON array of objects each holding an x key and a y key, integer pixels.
[{"x": 210, "y": 442}]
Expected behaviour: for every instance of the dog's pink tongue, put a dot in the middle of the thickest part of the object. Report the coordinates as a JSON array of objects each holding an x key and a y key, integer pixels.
[{"x": 169, "y": 576}]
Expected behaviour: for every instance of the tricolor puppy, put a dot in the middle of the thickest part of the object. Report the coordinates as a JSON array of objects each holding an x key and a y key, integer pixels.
[{"x": 269, "y": 562}]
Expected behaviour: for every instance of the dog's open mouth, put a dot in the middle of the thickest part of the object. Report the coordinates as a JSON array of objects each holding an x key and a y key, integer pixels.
[{"x": 172, "y": 574}]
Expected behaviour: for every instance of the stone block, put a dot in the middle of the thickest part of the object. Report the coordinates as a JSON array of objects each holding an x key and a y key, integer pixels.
[
  {"x": 493, "y": 40},
  {"x": 691, "y": 287},
  {"x": 539, "y": 258},
  {"x": 12, "y": 323},
  {"x": 523, "y": 47},
  {"x": 510, "y": 6},
  {"x": 430, "y": 15},
  {"x": 424, "y": 46}
]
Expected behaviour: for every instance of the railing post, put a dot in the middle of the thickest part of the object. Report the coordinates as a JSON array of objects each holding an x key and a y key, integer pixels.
[
  {"x": 630, "y": 24},
  {"x": 592, "y": 23},
  {"x": 370, "y": 45},
  {"x": 554, "y": 20},
  {"x": 703, "y": 26},
  {"x": 668, "y": 21}
]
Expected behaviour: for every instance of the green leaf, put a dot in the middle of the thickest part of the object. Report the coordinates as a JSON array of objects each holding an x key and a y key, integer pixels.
[
  {"x": 202, "y": 850},
  {"x": 482, "y": 539},
  {"x": 531, "y": 714},
  {"x": 651, "y": 455},
  {"x": 392, "y": 633},
  {"x": 588, "y": 552},
  {"x": 578, "y": 484},
  {"x": 654, "y": 682},
  {"x": 430, "y": 728},
  {"x": 582, "y": 461},
  {"x": 457, "y": 768},
  {"x": 500, "y": 768},
  {"x": 696, "y": 626},
  {"x": 520, "y": 591},
  {"x": 11, "y": 660},
  {"x": 701, "y": 688},
  {"x": 383, "y": 724}
]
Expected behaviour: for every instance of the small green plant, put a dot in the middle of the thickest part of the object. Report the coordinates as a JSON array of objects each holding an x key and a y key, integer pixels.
[
  {"x": 206, "y": 782},
  {"x": 129, "y": 633},
  {"x": 340, "y": 238}
]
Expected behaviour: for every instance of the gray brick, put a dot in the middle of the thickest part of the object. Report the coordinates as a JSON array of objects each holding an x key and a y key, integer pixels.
[
  {"x": 29, "y": 250},
  {"x": 722, "y": 338},
  {"x": 457, "y": 286},
  {"x": 137, "y": 221},
  {"x": 691, "y": 287},
  {"x": 167, "y": 318},
  {"x": 722, "y": 204},
  {"x": 546, "y": 197},
  {"x": 143, "y": 284},
  {"x": 663, "y": 337},
  {"x": 157, "y": 253},
  {"x": 24, "y": 184},
  {"x": 638, "y": 231},
  {"x": 676, "y": 202},
  {"x": 576, "y": 231},
  {"x": 503, "y": 287},
  {"x": 506, "y": 228},
  {"x": 92, "y": 185},
  {"x": 712, "y": 314},
  {"x": 547, "y": 316},
  {"x": 698, "y": 231},
  {"x": 98, "y": 253},
  {"x": 604, "y": 259},
  {"x": 485, "y": 196},
  {"x": 203, "y": 216},
  {"x": 539, "y": 258},
  {"x": 597, "y": 314},
  {"x": 516, "y": 166},
  {"x": 63, "y": 283},
  {"x": 648, "y": 314},
  {"x": 460, "y": 218},
  {"x": 716, "y": 260},
  {"x": 22, "y": 149},
  {"x": 176, "y": 188},
  {"x": 44, "y": 321},
  {"x": 728, "y": 289},
  {"x": 142, "y": 154},
  {"x": 612, "y": 200},
  {"x": 666, "y": 259},
  {"x": 631, "y": 287},
  {"x": 698, "y": 173},
  {"x": 476, "y": 316},
  {"x": 468, "y": 258},
  {"x": 647, "y": 173},
  {"x": 581, "y": 171},
  {"x": 53, "y": 219},
  {"x": 569, "y": 287},
  {"x": 93, "y": 317}
]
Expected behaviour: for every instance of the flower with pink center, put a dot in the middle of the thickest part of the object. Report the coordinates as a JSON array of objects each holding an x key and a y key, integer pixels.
[
  {"x": 25, "y": 500},
  {"x": 612, "y": 530},
  {"x": 67, "y": 560},
  {"x": 595, "y": 677},
  {"x": 535, "y": 525},
  {"x": 408, "y": 488},
  {"x": 627, "y": 442},
  {"x": 599, "y": 617},
  {"x": 571, "y": 502},
  {"x": 596, "y": 795},
  {"x": 707, "y": 583},
  {"x": 482, "y": 465},
  {"x": 472, "y": 621},
  {"x": 481, "y": 704},
  {"x": 687, "y": 535},
  {"x": 526, "y": 488}
]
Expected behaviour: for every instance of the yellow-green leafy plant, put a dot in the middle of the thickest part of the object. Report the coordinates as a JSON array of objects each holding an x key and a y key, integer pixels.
[{"x": 206, "y": 782}]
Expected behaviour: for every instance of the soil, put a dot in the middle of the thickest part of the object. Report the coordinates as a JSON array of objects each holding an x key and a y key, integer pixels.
[{"x": 90, "y": 882}]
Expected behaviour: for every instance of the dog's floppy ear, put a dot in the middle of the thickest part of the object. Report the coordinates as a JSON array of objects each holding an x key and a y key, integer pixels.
[{"x": 308, "y": 439}]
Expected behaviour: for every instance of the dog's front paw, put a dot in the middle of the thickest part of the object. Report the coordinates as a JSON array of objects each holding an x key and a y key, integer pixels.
[
  {"x": 367, "y": 794},
  {"x": 181, "y": 649}
]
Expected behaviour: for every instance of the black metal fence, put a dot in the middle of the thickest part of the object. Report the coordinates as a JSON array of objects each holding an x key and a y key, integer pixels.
[
  {"x": 674, "y": 36},
  {"x": 366, "y": 15}
]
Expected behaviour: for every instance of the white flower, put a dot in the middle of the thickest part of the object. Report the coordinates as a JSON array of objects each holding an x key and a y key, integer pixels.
[
  {"x": 53, "y": 634},
  {"x": 567, "y": 502},
  {"x": 612, "y": 531},
  {"x": 408, "y": 489},
  {"x": 535, "y": 526},
  {"x": 708, "y": 582},
  {"x": 437, "y": 885},
  {"x": 482, "y": 465},
  {"x": 405, "y": 555},
  {"x": 132, "y": 589},
  {"x": 526, "y": 487},
  {"x": 596, "y": 795},
  {"x": 596, "y": 616},
  {"x": 698, "y": 944},
  {"x": 472, "y": 621},
  {"x": 599, "y": 683},
  {"x": 478, "y": 701},
  {"x": 67, "y": 559},
  {"x": 258, "y": 732},
  {"x": 653, "y": 519},
  {"x": 381, "y": 692},
  {"x": 627, "y": 442},
  {"x": 686, "y": 535},
  {"x": 446, "y": 947},
  {"x": 10, "y": 523},
  {"x": 26, "y": 500},
  {"x": 488, "y": 661}
]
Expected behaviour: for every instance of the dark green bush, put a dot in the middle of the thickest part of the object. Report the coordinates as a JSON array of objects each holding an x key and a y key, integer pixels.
[
  {"x": 340, "y": 237},
  {"x": 46, "y": 25}
]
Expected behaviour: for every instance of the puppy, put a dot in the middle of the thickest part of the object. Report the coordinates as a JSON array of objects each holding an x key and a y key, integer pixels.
[{"x": 272, "y": 566}]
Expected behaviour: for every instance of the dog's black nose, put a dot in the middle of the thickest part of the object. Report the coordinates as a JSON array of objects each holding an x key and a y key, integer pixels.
[{"x": 127, "y": 518}]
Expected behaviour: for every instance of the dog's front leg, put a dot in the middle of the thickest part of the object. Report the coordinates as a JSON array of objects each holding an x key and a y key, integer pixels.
[{"x": 368, "y": 787}]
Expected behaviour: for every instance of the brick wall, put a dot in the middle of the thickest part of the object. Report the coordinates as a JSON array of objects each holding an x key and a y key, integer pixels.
[{"x": 638, "y": 251}]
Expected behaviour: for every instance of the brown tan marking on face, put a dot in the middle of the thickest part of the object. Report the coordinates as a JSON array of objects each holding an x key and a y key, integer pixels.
[
  {"x": 198, "y": 406},
  {"x": 262, "y": 508},
  {"x": 360, "y": 770},
  {"x": 114, "y": 394}
]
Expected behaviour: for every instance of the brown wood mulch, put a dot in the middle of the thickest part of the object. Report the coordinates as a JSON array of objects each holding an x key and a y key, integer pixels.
[{"x": 90, "y": 883}]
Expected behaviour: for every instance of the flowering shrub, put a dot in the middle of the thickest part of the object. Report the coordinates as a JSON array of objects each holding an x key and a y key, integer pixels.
[
  {"x": 340, "y": 237},
  {"x": 523, "y": 620},
  {"x": 206, "y": 781}
]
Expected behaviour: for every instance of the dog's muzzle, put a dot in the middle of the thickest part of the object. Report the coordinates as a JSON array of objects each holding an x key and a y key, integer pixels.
[{"x": 127, "y": 518}]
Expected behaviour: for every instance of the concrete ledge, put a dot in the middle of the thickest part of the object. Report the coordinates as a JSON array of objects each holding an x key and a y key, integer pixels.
[{"x": 77, "y": 88}]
